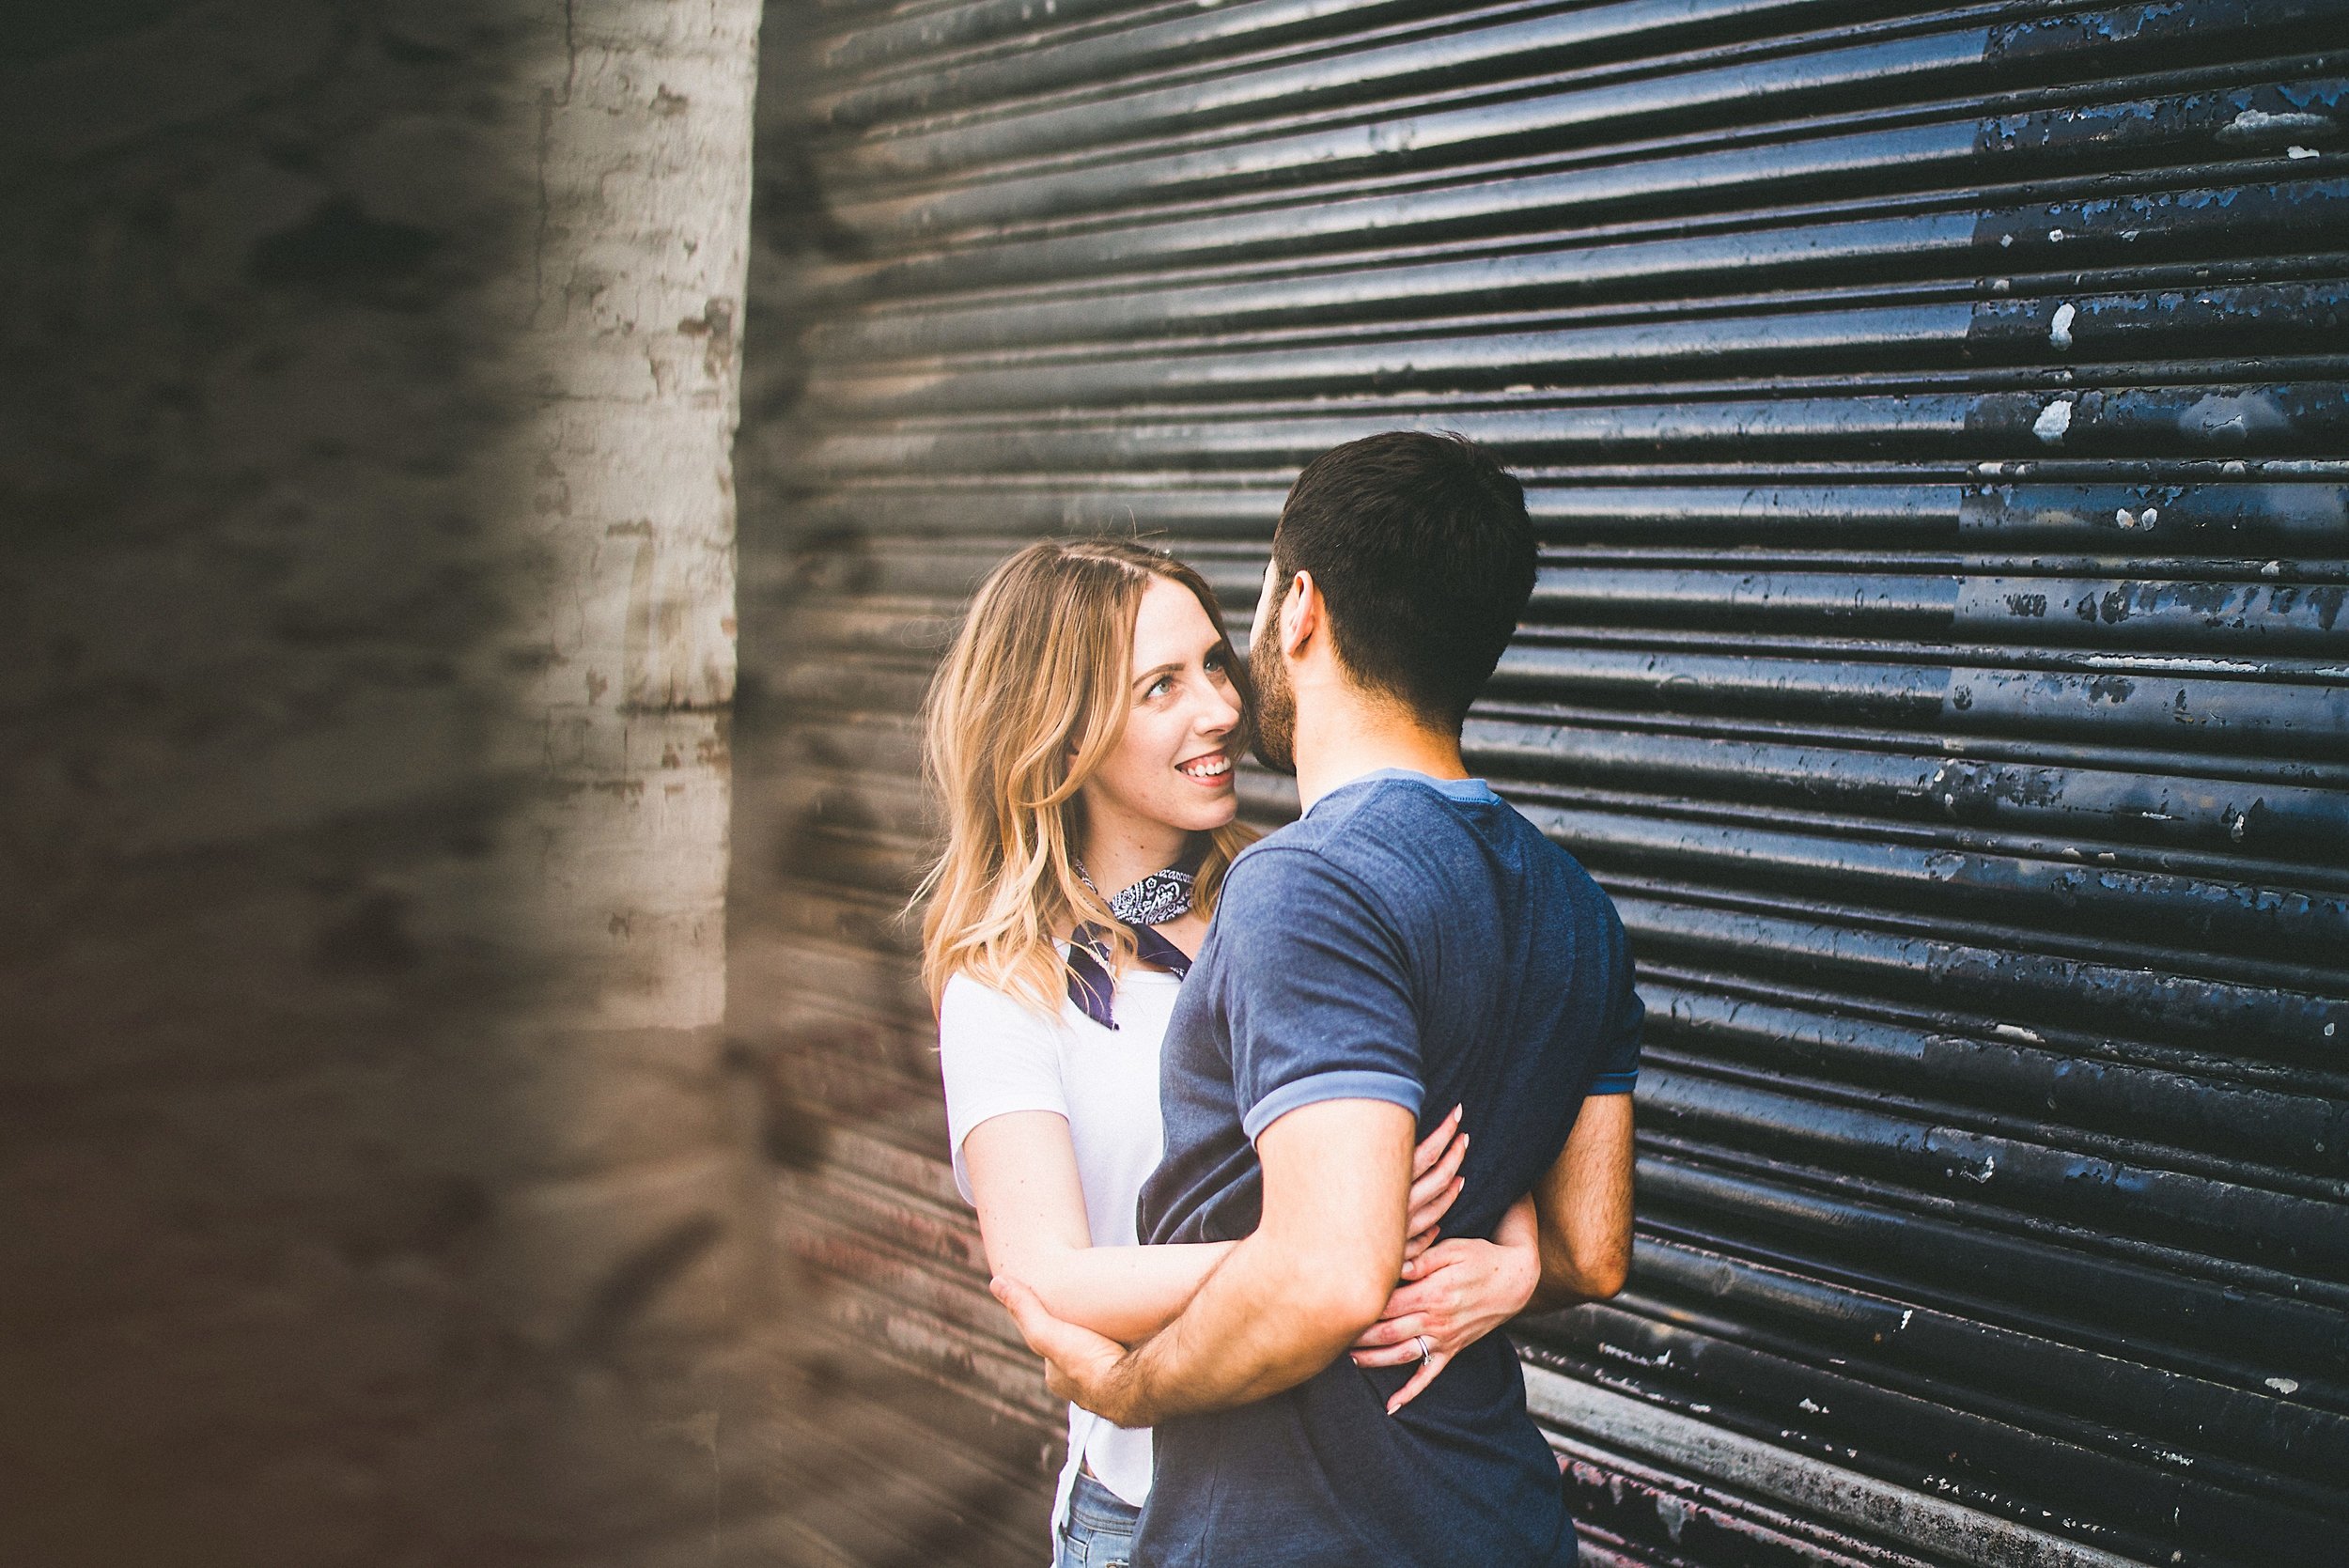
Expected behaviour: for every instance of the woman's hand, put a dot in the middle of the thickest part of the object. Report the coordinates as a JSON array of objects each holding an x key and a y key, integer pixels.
[
  {"x": 1436, "y": 1184},
  {"x": 1454, "y": 1293}
]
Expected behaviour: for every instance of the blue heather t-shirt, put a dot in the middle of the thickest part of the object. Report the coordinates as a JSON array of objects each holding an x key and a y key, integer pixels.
[{"x": 1417, "y": 942}]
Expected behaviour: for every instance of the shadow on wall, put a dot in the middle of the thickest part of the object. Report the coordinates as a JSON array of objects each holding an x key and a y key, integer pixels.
[
  {"x": 377, "y": 1187},
  {"x": 899, "y": 1467}
]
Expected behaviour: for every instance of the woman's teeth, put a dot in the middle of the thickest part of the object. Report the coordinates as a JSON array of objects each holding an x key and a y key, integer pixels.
[{"x": 1204, "y": 768}]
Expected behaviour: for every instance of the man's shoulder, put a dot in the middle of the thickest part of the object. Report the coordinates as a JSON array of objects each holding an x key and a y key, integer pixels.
[
  {"x": 1362, "y": 830},
  {"x": 1422, "y": 857},
  {"x": 1346, "y": 828},
  {"x": 1398, "y": 847},
  {"x": 1271, "y": 877},
  {"x": 1350, "y": 840}
]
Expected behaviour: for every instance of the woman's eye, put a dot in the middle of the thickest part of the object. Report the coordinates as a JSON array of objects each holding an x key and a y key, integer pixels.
[
  {"x": 1215, "y": 663},
  {"x": 1161, "y": 687}
]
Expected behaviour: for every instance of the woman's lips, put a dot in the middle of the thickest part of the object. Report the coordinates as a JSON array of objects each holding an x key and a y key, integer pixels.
[{"x": 1212, "y": 769}]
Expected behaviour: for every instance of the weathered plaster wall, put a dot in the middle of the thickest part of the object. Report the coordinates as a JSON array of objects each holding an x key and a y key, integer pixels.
[{"x": 374, "y": 1188}]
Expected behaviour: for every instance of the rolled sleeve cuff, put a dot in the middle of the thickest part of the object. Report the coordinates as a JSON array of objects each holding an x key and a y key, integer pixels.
[
  {"x": 1615, "y": 1083},
  {"x": 1359, "y": 1084}
]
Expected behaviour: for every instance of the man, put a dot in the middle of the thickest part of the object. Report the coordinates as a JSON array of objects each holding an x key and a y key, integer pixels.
[{"x": 1409, "y": 944}]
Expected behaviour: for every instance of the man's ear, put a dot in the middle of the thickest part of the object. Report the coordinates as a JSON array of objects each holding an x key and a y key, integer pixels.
[{"x": 1300, "y": 615}]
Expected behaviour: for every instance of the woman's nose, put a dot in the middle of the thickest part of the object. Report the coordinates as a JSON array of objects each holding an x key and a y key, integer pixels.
[{"x": 1218, "y": 714}]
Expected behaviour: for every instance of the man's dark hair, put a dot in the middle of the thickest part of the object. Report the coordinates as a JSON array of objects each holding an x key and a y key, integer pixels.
[{"x": 1423, "y": 553}]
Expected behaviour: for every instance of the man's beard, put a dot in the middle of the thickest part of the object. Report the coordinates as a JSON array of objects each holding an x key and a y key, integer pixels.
[{"x": 1275, "y": 717}]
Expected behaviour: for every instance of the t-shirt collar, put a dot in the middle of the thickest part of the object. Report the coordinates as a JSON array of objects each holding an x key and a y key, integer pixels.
[{"x": 1467, "y": 791}]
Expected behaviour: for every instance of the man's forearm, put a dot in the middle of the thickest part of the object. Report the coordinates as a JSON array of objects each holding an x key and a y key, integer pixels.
[
  {"x": 1269, "y": 1317},
  {"x": 1567, "y": 1277},
  {"x": 1565, "y": 1284},
  {"x": 1584, "y": 1203},
  {"x": 1552, "y": 1297},
  {"x": 1291, "y": 1297}
]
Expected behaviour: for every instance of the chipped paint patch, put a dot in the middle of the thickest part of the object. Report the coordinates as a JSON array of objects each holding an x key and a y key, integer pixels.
[
  {"x": 2059, "y": 330},
  {"x": 2284, "y": 1385},
  {"x": 2252, "y": 124},
  {"x": 2229, "y": 419},
  {"x": 2053, "y": 421}
]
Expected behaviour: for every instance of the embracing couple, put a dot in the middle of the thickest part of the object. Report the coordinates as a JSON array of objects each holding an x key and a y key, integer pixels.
[{"x": 1367, "y": 1113}]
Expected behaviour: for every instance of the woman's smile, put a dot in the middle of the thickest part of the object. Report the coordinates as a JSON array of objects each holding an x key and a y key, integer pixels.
[{"x": 1212, "y": 769}]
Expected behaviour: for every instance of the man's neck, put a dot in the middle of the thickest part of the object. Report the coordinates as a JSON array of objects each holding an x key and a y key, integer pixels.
[{"x": 1341, "y": 738}]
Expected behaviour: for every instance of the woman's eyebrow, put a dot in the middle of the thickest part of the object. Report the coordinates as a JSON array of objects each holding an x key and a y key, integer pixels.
[{"x": 1171, "y": 667}]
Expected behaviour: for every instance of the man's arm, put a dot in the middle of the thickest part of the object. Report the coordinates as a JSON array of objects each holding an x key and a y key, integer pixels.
[
  {"x": 1286, "y": 1301},
  {"x": 1584, "y": 1205},
  {"x": 1031, "y": 1216}
]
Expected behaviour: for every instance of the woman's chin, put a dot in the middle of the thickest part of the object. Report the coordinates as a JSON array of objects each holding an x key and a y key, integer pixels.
[{"x": 1204, "y": 815}]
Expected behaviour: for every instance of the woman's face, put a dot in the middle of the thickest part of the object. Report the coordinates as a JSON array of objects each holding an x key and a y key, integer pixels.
[{"x": 1170, "y": 769}]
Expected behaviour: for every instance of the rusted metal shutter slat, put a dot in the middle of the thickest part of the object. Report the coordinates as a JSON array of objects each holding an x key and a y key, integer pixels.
[{"x": 1934, "y": 418}]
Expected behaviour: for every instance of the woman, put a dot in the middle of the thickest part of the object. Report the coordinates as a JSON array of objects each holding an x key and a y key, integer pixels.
[{"x": 1081, "y": 736}]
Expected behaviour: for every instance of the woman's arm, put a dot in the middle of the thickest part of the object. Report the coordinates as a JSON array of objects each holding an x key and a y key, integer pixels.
[
  {"x": 1455, "y": 1294},
  {"x": 1031, "y": 1216}
]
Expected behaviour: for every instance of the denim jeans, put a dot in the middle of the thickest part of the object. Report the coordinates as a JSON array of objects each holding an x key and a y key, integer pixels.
[{"x": 1100, "y": 1528}]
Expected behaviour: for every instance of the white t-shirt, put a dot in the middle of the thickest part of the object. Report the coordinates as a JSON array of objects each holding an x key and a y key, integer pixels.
[{"x": 1000, "y": 1055}]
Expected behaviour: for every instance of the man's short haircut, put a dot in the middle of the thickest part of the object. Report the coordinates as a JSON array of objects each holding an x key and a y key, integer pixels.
[{"x": 1424, "y": 556}]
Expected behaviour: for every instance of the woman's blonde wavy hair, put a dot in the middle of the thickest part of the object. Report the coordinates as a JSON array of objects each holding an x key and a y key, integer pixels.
[{"x": 1031, "y": 700}]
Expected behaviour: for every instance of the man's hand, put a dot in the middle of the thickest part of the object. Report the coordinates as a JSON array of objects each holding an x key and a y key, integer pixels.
[{"x": 1080, "y": 1366}]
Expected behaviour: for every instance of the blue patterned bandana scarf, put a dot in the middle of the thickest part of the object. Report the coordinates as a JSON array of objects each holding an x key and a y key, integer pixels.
[{"x": 1161, "y": 896}]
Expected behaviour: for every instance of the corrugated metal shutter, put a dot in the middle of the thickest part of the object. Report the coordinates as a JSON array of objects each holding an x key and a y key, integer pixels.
[{"x": 1934, "y": 424}]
